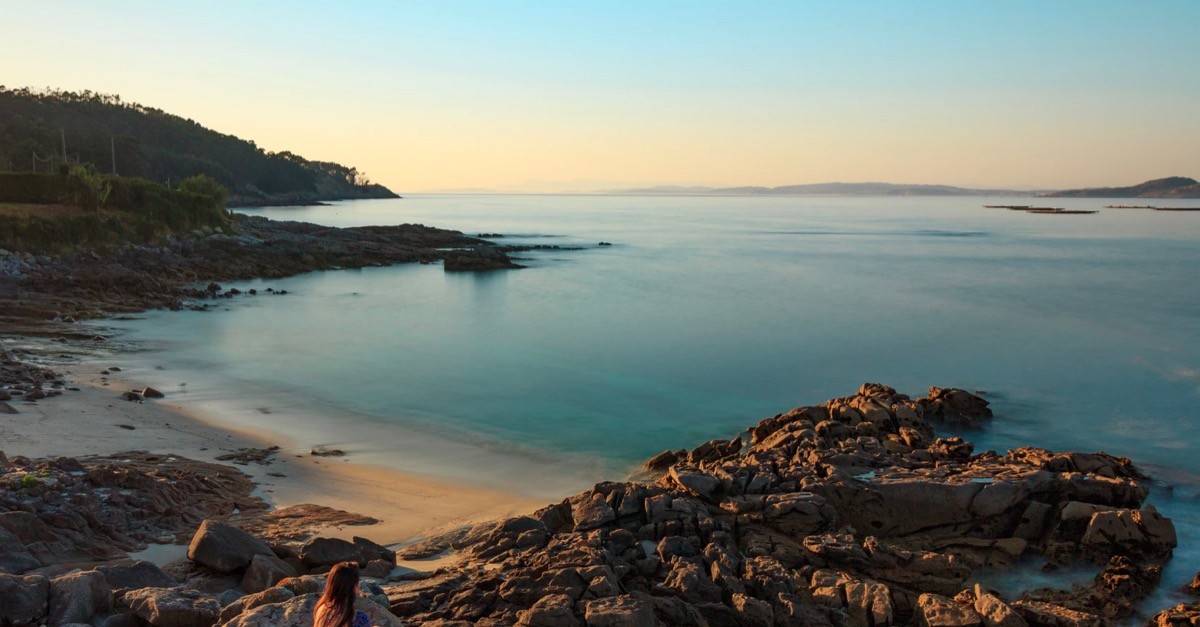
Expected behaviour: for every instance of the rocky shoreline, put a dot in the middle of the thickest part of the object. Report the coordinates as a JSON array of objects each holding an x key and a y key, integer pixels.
[
  {"x": 38, "y": 292},
  {"x": 852, "y": 512}
]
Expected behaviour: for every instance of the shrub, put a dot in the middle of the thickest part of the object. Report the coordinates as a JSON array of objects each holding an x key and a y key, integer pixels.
[{"x": 88, "y": 188}]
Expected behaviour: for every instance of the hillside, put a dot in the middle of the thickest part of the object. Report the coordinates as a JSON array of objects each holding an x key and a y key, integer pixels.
[
  {"x": 1170, "y": 187},
  {"x": 161, "y": 147},
  {"x": 827, "y": 189}
]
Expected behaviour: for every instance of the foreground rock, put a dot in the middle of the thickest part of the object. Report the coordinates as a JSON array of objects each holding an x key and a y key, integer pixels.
[
  {"x": 852, "y": 512},
  {"x": 55, "y": 511},
  {"x": 1182, "y": 615},
  {"x": 225, "y": 548},
  {"x": 849, "y": 513}
]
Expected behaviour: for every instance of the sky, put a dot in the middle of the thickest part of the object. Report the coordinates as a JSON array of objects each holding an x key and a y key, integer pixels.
[{"x": 577, "y": 96}]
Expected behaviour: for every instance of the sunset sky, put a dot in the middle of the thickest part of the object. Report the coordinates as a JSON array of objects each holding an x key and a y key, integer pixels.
[{"x": 553, "y": 96}]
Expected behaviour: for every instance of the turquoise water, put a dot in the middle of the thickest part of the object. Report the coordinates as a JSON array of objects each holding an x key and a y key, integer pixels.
[{"x": 707, "y": 315}]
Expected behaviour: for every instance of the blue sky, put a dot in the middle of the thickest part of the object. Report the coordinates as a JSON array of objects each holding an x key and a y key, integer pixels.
[{"x": 531, "y": 95}]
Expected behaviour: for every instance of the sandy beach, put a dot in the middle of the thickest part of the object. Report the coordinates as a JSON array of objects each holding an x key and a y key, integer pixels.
[{"x": 89, "y": 422}]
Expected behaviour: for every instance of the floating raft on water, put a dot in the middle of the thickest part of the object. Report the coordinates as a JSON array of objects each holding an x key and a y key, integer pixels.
[
  {"x": 1060, "y": 211},
  {"x": 1013, "y": 207},
  {"x": 1129, "y": 207}
]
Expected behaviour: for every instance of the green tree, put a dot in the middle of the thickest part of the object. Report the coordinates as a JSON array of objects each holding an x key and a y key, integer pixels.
[
  {"x": 89, "y": 189},
  {"x": 206, "y": 187}
]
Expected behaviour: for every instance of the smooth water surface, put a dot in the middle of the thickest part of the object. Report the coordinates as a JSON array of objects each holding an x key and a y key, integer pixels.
[{"x": 707, "y": 315}]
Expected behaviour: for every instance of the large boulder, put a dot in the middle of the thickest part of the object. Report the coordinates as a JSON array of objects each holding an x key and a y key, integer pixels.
[
  {"x": 224, "y": 548},
  {"x": 330, "y": 551},
  {"x": 265, "y": 571},
  {"x": 1133, "y": 532},
  {"x": 78, "y": 597},
  {"x": 591, "y": 512},
  {"x": 251, "y": 601},
  {"x": 298, "y": 611},
  {"x": 25, "y": 599},
  {"x": 173, "y": 607},
  {"x": 122, "y": 576}
]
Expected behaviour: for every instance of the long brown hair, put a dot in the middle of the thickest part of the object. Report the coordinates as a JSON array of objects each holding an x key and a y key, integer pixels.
[{"x": 341, "y": 588}]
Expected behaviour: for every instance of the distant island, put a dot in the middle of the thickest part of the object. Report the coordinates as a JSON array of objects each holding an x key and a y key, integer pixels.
[
  {"x": 826, "y": 189},
  {"x": 1170, "y": 187},
  {"x": 39, "y": 128}
]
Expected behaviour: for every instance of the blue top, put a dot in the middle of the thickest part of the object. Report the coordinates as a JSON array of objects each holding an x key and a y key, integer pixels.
[{"x": 361, "y": 619}]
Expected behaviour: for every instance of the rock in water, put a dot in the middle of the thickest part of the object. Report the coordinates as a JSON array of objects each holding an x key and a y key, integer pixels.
[
  {"x": 1182, "y": 615},
  {"x": 149, "y": 392},
  {"x": 225, "y": 548}
]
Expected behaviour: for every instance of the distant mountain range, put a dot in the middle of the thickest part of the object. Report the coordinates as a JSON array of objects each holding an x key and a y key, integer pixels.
[
  {"x": 1170, "y": 187},
  {"x": 828, "y": 189}
]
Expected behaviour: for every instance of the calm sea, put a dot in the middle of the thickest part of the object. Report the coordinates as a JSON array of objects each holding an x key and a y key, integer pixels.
[{"x": 706, "y": 315}]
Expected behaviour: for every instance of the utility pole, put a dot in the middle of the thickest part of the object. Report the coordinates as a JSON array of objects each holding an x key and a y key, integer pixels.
[{"x": 112, "y": 142}]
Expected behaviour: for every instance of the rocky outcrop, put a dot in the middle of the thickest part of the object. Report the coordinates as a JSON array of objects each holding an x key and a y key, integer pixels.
[
  {"x": 55, "y": 511},
  {"x": 1182, "y": 615},
  {"x": 849, "y": 513},
  {"x": 24, "y": 381},
  {"x": 52, "y": 293},
  {"x": 853, "y": 512}
]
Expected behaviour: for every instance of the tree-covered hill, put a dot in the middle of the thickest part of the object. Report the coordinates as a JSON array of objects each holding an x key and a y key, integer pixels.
[
  {"x": 162, "y": 147},
  {"x": 1170, "y": 187}
]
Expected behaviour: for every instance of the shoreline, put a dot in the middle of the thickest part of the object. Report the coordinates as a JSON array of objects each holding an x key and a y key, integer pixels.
[
  {"x": 743, "y": 500},
  {"x": 408, "y": 505}
]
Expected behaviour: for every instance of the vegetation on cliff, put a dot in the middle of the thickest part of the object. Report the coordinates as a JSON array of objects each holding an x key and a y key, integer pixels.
[
  {"x": 61, "y": 213},
  {"x": 140, "y": 141}
]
